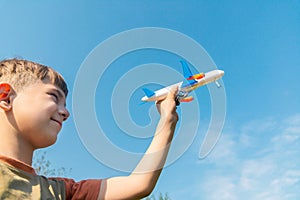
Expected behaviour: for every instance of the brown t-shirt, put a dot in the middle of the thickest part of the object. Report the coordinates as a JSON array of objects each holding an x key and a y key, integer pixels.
[{"x": 19, "y": 181}]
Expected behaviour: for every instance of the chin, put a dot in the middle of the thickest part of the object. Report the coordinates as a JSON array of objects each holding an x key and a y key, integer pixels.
[{"x": 46, "y": 142}]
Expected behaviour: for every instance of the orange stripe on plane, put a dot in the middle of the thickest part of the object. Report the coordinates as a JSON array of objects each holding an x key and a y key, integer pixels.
[{"x": 196, "y": 76}]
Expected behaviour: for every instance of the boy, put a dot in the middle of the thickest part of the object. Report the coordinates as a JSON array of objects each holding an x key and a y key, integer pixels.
[{"x": 32, "y": 110}]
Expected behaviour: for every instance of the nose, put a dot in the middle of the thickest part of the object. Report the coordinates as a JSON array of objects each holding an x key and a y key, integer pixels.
[{"x": 64, "y": 112}]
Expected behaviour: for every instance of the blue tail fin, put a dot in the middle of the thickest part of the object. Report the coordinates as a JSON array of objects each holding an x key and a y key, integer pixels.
[
  {"x": 148, "y": 92},
  {"x": 186, "y": 70}
]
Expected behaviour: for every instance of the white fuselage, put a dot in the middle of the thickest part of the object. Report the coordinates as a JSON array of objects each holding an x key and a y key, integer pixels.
[{"x": 209, "y": 77}]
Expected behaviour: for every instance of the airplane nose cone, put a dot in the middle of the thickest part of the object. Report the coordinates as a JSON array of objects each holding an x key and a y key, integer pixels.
[{"x": 221, "y": 72}]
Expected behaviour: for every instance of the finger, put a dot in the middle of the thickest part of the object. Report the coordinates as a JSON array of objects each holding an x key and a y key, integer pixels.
[
  {"x": 158, "y": 107},
  {"x": 173, "y": 92}
]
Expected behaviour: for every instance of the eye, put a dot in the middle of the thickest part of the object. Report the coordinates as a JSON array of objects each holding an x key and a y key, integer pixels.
[{"x": 54, "y": 96}]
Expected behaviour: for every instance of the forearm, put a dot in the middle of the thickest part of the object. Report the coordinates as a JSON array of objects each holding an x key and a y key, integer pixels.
[
  {"x": 149, "y": 168},
  {"x": 156, "y": 153},
  {"x": 142, "y": 180}
]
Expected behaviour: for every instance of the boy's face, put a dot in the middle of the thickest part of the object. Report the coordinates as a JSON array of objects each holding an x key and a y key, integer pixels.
[{"x": 39, "y": 111}]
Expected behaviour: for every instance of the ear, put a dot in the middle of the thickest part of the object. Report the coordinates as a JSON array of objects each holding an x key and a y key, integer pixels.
[{"x": 5, "y": 96}]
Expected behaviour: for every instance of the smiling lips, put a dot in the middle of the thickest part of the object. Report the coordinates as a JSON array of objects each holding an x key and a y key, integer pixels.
[{"x": 57, "y": 121}]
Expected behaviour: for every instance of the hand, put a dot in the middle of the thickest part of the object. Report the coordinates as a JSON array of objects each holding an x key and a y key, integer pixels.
[{"x": 167, "y": 106}]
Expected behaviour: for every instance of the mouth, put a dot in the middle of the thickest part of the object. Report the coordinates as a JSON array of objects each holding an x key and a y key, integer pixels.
[{"x": 57, "y": 121}]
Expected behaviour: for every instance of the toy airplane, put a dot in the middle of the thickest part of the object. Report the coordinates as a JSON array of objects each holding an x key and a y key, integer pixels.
[{"x": 194, "y": 81}]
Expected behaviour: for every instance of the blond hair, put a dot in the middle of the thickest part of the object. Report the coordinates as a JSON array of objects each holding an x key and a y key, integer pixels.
[{"x": 20, "y": 73}]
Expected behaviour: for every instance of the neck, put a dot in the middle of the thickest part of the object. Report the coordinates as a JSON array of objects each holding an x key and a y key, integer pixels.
[
  {"x": 18, "y": 156},
  {"x": 11, "y": 145}
]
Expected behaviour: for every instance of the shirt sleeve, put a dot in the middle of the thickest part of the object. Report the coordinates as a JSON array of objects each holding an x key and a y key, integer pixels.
[{"x": 85, "y": 189}]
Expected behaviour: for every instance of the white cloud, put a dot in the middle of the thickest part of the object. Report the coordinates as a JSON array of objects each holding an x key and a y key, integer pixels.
[
  {"x": 224, "y": 152},
  {"x": 220, "y": 188},
  {"x": 267, "y": 169}
]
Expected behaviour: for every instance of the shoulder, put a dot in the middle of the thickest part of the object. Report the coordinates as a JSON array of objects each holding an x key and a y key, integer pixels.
[
  {"x": 19, "y": 184},
  {"x": 85, "y": 189}
]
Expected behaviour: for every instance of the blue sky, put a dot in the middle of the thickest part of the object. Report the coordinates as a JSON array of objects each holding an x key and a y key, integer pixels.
[{"x": 256, "y": 43}]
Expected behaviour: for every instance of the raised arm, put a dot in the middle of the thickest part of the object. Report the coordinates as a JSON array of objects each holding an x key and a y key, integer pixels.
[{"x": 142, "y": 180}]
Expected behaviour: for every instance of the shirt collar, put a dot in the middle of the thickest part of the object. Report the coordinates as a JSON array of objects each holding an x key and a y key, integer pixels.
[{"x": 17, "y": 164}]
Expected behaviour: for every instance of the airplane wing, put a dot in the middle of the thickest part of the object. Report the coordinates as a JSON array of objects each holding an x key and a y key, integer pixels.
[{"x": 187, "y": 99}]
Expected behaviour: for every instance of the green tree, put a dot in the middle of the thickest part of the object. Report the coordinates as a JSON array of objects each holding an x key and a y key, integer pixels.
[
  {"x": 160, "y": 197},
  {"x": 43, "y": 166}
]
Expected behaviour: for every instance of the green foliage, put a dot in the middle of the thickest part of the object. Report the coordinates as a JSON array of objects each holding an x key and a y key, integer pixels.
[
  {"x": 160, "y": 197},
  {"x": 43, "y": 166}
]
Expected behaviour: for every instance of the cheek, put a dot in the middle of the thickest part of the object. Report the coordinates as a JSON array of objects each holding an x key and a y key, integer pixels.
[
  {"x": 31, "y": 116},
  {"x": 36, "y": 127}
]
